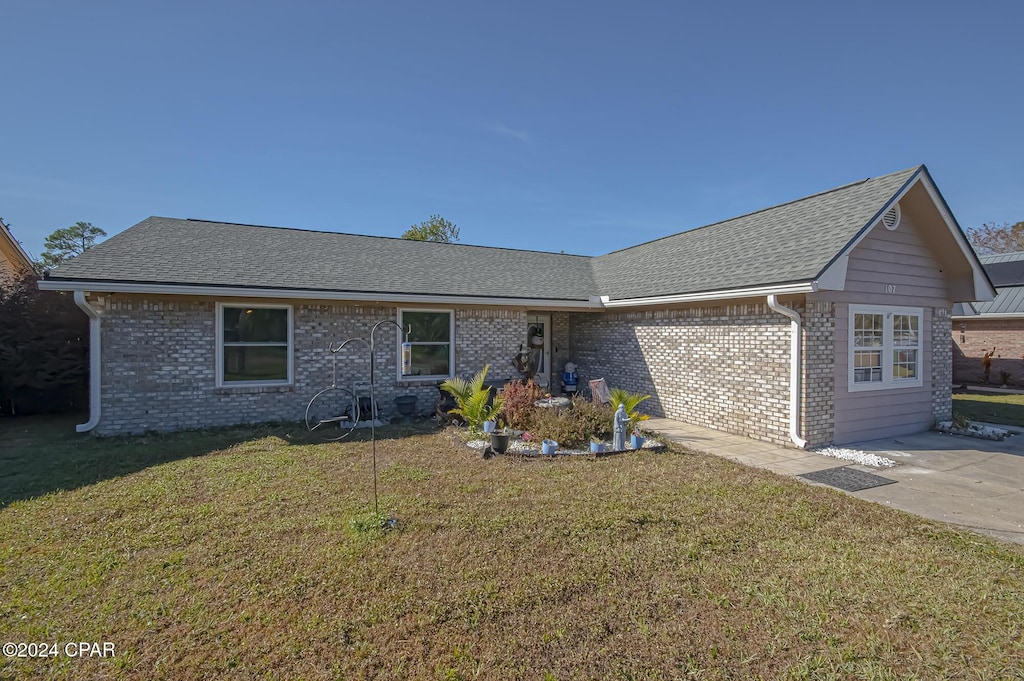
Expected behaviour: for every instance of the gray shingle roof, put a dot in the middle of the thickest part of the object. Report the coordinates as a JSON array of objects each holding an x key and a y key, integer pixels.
[
  {"x": 168, "y": 250},
  {"x": 787, "y": 243},
  {"x": 792, "y": 242}
]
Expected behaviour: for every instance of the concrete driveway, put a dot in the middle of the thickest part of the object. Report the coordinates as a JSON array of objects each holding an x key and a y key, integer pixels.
[
  {"x": 970, "y": 483},
  {"x": 967, "y": 482}
]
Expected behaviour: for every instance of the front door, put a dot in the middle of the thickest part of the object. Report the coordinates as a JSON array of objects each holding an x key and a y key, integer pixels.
[{"x": 538, "y": 340}]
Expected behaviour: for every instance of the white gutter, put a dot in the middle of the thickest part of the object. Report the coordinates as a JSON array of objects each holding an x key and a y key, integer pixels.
[
  {"x": 794, "y": 369},
  {"x": 757, "y": 291},
  {"x": 94, "y": 363},
  {"x": 307, "y": 294},
  {"x": 981, "y": 316}
]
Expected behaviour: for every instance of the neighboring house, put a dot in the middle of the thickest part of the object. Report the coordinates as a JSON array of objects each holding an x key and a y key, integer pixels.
[
  {"x": 826, "y": 319},
  {"x": 998, "y": 324},
  {"x": 13, "y": 258}
]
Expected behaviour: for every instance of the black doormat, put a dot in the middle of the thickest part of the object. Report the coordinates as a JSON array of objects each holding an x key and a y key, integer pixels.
[{"x": 847, "y": 479}]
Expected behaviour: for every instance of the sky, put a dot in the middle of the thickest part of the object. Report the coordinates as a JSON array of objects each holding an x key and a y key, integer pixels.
[{"x": 582, "y": 127}]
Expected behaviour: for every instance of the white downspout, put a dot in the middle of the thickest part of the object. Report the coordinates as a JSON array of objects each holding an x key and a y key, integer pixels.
[
  {"x": 94, "y": 363},
  {"x": 794, "y": 369}
]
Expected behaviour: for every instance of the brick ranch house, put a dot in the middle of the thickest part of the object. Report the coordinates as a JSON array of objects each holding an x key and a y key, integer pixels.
[
  {"x": 999, "y": 324},
  {"x": 823, "y": 320}
]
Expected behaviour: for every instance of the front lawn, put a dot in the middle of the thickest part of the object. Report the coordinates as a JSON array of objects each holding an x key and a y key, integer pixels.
[
  {"x": 234, "y": 554},
  {"x": 1004, "y": 408}
]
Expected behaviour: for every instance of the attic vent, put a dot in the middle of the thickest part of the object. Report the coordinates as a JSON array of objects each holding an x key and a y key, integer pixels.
[{"x": 891, "y": 219}]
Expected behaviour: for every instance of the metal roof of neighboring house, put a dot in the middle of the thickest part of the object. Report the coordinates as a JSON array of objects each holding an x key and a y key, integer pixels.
[
  {"x": 790, "y": 243},
  {"x": 1016, "y": 256},
  {"x": 1006, "y": 270}
]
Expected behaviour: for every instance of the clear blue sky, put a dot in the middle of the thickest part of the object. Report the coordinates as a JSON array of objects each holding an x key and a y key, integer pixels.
[{"x": 582, "y": 126}]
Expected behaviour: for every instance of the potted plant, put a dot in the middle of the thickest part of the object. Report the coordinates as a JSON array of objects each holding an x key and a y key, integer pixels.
[
  {"x": 596, "y": 446},
  {"x": 549, "y": 446},
  {"x": 636, "y": 440},
  {"x": 500, "y": 440},
  {"x": 490, "y": 425}
]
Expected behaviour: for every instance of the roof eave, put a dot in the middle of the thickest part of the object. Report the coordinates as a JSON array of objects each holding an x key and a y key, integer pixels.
[
  {"x": 100, "y": 286},
  {"x": 721, "y": 294},
  {"x": 19, "y": 252}
]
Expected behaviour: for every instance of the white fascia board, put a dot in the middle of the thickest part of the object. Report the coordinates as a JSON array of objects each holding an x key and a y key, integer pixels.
[
  {"x": 990, "y": 315},
  {"x": 305, "y": 294},
  {"x": 758, "y": 291},
  {"x": 834, "y": 278},
  {"x": 983, "y": 290}
]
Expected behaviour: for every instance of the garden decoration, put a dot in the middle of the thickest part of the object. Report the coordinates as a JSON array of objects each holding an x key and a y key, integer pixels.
[
  {"x": 523, "y": 362},
  {"x": 321, "y": 404},
  {"x": 620, "y": 422}
]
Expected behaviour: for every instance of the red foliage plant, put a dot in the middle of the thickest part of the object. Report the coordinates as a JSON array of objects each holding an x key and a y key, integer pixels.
[{"x": 518, "y": 409}]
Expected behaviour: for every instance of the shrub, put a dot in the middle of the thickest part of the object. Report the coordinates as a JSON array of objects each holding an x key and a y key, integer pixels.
[
  {"x": 473, "y": 400},
  {"x": 44, "y": 349},
  {"x": 573, "y": 428},
  {"x": 518, "y": 409}
]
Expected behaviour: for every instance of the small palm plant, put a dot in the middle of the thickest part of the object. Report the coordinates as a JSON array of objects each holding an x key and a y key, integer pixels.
[
  {"x": 629, "y": 401},
  {"x": 472, "y": 397}
]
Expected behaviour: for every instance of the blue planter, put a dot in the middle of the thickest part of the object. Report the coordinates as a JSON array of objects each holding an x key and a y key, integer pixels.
[
  {"x": 637, "y": 441},
  {"x": 596, "y": 447},
  {"x": 549, "y": 447},
  {"x": 489, "y": 426}
]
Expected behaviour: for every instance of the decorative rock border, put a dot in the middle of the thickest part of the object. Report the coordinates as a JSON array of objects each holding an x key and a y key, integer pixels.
[{"x": 973, "y": 430}]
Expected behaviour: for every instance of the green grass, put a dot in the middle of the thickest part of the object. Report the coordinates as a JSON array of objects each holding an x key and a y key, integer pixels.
[
  {"x": 1007, "y": 409},
  {"x": 256, "y": 554}
]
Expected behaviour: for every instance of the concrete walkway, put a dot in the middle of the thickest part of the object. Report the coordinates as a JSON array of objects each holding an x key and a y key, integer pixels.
[{"x": 967, "y": 482}]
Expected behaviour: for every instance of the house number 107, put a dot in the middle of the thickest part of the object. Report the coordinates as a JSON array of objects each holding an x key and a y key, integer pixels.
[{"x": 890, "y": 288}]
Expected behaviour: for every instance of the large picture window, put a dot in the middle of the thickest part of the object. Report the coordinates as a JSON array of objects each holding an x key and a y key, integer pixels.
[
  {"x": 885, "y": 347},
  {"x": 254, "y": 344},
  {"x": 431, "y": 337}
]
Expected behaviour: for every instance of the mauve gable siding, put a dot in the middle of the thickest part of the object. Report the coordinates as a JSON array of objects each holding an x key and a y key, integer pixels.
[{"x": 901, "y": 258}]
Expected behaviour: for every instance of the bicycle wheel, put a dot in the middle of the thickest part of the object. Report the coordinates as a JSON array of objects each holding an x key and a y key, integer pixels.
[{"x": 332, "y": 414}]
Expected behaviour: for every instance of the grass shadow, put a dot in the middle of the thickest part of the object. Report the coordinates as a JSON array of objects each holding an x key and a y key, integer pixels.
[
  {"x": 1004, "y": 408},
  {"x": 43, "y": 454}
]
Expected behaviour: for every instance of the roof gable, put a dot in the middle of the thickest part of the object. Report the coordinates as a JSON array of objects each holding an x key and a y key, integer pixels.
[{"x": 792, "y": 242}]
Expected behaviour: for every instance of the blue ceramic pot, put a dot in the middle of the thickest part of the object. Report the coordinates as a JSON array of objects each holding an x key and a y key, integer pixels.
[
  {"x": 637, "y": 441},
  {"x": 549, "y": 447}
]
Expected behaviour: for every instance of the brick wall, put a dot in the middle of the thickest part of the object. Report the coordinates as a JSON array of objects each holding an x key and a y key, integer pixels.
[
  {"x": 561, "y": 348},
  {"x": 819, "y": 360},
  {"x": 488, "y": 336},
  {"x": 159, "y": 361},
  {"x": 723, "y": 367},
  {"x": 973, "y": 337},
  {"x": 942, "y": 364}
]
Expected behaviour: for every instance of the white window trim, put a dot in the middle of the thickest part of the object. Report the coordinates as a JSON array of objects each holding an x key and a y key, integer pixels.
[
  {"x": 451, "y": 346},
  {"x": 219, "y": 350},
  {"x": 887, "y": 382}
]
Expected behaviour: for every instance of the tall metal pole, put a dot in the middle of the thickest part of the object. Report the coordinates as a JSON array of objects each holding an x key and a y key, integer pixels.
[{"x": 373, "y": 402}]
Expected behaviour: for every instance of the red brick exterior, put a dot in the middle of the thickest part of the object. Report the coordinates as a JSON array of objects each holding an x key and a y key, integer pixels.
[{"x": 972, "y": 338}]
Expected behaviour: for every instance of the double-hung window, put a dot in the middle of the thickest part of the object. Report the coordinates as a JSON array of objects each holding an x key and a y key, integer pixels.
[
  {"x": 254, "y": 344},
  {"x": 885, "y": 347},
  {"x": 431, "y": 334}
]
